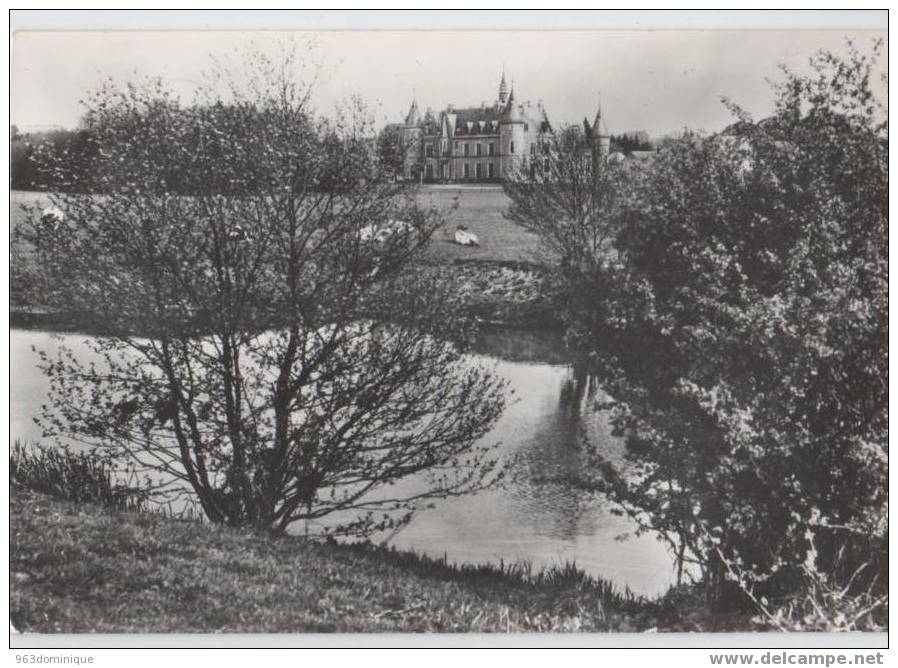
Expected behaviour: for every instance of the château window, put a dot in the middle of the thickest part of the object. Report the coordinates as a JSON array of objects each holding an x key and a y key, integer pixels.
[
  {"x": 465, "y": 169},
  {"x": 489, "y": 168},
  {"x": 479, "y": 149},
  {"x": 492, "y": 148},
  {"x": 511, "y": 148},
  {"x": 428, "y": 150},
  {"x": 467, "y": 147},
  {"x": 479, "y": 169},
  {"x": 456, "y": 147}
]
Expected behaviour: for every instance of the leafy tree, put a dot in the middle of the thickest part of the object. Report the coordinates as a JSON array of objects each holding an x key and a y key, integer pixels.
[
  {"x": 259, "y": 348},
  {"x": 25, "y": 160},
  {"x": 739, "y": 318}
]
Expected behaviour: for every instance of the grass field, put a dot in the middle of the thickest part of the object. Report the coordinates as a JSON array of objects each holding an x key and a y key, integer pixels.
[
  {"x": 481, "y": 209},
  {"x": 19, "y": 197}
]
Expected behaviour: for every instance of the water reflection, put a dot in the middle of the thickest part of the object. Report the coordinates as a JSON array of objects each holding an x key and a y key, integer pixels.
[
  {"x": 548, "y": 463},
  {"x": 536, "y": 346}
]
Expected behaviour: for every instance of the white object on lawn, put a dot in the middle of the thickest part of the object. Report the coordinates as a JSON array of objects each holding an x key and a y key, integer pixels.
[{"x": 466, "y": 238}]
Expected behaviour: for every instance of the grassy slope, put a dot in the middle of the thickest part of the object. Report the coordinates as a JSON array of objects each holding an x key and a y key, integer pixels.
[{"x": 81, "y": 568}]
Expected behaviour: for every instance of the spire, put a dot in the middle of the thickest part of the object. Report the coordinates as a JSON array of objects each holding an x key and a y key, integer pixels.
[
  {"x": 510, "y": 104},
  {"x": 598, "y": 125},
  {"x": 413, "y": 117},
  {"x": 503, "y": 88}
]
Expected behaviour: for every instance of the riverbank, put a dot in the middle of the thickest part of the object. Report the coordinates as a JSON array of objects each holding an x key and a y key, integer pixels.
[
  {"x": 500, "y": 293},
  {"x": 503, "y": 293},
  {"x": 78, "y": 568}
]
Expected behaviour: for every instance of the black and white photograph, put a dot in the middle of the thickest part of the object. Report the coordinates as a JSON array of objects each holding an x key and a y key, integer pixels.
[{"x": 536, "y": 332}]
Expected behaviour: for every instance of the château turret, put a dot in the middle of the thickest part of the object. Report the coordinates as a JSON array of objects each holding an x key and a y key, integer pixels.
[{"x": 601, "y": 140}]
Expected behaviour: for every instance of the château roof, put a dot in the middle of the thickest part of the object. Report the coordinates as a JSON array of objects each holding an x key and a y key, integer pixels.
[
  {"x": 413, "y": 117},
  {"x": 482, "y": 120},
  {"x": 478, "y": 120},
  {"x": 598, "y": 124}
]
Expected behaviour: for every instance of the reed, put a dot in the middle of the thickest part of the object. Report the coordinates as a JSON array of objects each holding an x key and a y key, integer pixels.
[{"x": 75, "y": 476}]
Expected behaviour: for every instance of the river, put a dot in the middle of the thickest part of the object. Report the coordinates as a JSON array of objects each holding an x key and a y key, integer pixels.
[{"x": 535, "y": 518}]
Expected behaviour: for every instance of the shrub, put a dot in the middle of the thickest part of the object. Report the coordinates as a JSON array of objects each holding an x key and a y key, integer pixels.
[{"x": 831, "y": 601}]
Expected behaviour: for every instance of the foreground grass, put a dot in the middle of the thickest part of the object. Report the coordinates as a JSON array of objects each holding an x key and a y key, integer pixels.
[{"x": 79, "y": 568}]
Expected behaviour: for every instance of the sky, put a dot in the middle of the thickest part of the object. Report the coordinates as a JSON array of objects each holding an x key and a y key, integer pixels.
[{"x": 659, "y": 81}]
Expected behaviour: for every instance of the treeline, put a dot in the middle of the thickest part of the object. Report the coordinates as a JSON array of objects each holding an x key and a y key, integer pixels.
[
  {"x": 626, "y": 142},
  {"x": 24, "y": 151},
  {"x": 63, "y": 160},
  {"x": 631, "y": 141}
]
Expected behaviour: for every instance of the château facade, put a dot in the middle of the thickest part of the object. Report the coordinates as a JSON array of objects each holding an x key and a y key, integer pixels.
[{"x": 485, "y": 143}]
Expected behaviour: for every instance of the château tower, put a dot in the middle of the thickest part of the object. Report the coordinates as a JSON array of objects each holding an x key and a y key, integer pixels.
[
  {"x": 488, "y": 142},
  {"x": 601, "y": 140}
]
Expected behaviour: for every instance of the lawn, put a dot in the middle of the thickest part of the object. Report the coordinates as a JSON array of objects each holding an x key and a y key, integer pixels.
[
  {"x": 17, "y": 216},
  {"x": 481, "y": 209},
  {"x": 78, "y": 568},
  {"x": 19, "y": 197}
]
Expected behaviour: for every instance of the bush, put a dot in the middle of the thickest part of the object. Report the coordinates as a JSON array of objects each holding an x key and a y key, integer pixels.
[
  {"x": 822, "y": 601},
  {"x": 754, "y": 289}
]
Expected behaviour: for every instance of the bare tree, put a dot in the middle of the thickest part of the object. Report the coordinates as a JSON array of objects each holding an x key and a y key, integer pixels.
[
  {"x": 261, "y": 346},
  {"x": 566, "y": 193}
]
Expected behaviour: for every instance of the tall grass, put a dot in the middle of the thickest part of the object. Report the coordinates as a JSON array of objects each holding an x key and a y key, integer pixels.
[{"x": 75, "y": 476}]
